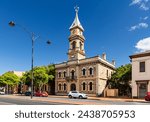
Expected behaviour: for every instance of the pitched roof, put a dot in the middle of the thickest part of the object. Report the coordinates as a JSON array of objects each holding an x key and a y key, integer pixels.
[
  {"x": 76, "y": 22},
  {"x": 142, "y": 54}
]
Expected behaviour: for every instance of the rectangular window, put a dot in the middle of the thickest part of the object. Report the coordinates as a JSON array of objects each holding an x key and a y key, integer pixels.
[
  {"x": 107, "y": 73},
  {"x": 142, "y": 67}
]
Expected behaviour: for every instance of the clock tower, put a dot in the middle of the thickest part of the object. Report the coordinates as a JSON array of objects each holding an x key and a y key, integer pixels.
[{"x": 76, "y": 39}]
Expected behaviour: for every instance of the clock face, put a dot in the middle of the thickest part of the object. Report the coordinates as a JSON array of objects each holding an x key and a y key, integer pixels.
[
  {"x": 75, "y": 31},
  {"x": 79, "y": 32}
]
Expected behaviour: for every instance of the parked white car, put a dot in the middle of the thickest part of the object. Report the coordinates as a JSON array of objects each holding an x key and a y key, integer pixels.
[
  {"x": 76, "y": 94},
  {"x": 2, "y": 93},
  {"x": 2, "y": 90}
]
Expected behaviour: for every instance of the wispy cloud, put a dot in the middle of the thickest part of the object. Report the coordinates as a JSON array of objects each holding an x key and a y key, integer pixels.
[
  {"x": 143, "y": 45},
  {"x": 142, "y": 4},
  {"x": 134, "y": 2},
  {"x": 138, "y": 26},
  {"x": 145, "y": 18},
  {"x": 144, "y": 7}
]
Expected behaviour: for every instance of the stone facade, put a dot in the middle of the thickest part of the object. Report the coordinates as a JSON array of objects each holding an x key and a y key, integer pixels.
[
  {"x": 18, "y": 73},
  {"x": 140, "y": 74},
  {"x": 88, "y": 75}
]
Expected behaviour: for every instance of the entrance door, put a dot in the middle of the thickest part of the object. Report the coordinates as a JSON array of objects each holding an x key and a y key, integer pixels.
[
  {"x": 142, "y": 90},
  {"x": 73, "y": 87}
]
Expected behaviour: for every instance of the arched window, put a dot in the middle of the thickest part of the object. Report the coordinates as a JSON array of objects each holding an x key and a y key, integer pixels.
[
  {"x": 59, "y": 87},
  {"x": 83, "y": 71},
  {"x": 73, "y": 87},
  {"x": 80, "y": 46},
  {"x": 91, "y": 71},
  {"x": 74, "y": 31},
  {"x": 65, "y": 87},
  {"x": 90, "y": 85},
  {"x": 73, "y": 45},
  {"x": 83, "y": 86},
  {"x": 64, "y": 74},
  {"x": 72, "y": 74},
  {"x": 59, "y": 74}
]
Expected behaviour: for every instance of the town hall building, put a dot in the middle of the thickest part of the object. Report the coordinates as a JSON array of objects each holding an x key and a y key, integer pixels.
[{"x": 88, "y": 75}]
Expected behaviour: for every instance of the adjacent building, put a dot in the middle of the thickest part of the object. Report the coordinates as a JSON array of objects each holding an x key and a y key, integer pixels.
[
  {"x": 18, "y": 73},
  {"x": 88, "y": 75},
  {"x": 140, "y": 74}
]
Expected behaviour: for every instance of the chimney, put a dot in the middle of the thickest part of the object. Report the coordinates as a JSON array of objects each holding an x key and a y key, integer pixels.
[
  {"x": 113, "y": 62},
  {"x": 104, "y": 56}
]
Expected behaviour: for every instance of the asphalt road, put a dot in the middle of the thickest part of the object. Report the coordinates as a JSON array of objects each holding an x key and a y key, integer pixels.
[
  {"x": 57, "y": 100},
  {"x": 9, "y": 100}
]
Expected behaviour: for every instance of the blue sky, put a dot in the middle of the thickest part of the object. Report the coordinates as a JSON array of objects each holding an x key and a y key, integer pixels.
[{"x": 117, "y": 27}]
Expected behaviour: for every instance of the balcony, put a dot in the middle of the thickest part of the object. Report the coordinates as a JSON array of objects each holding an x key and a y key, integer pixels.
[{"x": 70, "y": 78}]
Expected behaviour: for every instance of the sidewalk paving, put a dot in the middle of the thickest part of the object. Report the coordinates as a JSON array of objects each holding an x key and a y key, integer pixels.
[
  {"x": 107, "y": 98},
  {"x": 118, "y": 99}
]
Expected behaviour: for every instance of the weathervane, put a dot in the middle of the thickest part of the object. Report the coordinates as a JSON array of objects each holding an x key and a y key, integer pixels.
[{"x": 76, "y": 8}]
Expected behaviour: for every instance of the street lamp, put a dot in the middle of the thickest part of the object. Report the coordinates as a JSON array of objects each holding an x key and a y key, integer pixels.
[{"x": 33, "y": 38}]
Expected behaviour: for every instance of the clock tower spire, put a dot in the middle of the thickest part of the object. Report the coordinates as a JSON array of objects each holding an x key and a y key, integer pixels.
[{"x": 76, "y": 39}]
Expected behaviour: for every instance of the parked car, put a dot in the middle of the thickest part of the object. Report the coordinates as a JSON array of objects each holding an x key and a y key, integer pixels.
[
  {"x": 28, "y": 93},
  {"x": 41, "y": 94},
  {"x": 147, "y": 96},
  {"x": 76, "y": 94},
  {"x": 2, "y": 90}
]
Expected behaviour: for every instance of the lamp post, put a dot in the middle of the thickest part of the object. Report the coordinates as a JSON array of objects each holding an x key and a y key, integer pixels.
[{"x": 33, "y": 38}]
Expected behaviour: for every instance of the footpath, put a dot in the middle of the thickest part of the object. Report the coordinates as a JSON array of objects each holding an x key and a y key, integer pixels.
[
  {"x": 58, "y": 99},
  {"x": 106, "y": 98}
]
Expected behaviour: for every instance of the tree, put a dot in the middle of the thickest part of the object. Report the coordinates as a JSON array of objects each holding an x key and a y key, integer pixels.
[
  {"x": 10, "y": 79},
  {"x": 51, "y": 72},
  {"x": 121, "y": 79},
  {"x": 1, "y": 81},
  {"x": 40, "y": 77},
  {"x": 51, "y": 81},
  {"x": 26, "y": 78}
]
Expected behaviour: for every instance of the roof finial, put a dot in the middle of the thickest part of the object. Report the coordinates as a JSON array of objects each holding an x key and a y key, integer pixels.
[
  {"x": 76, "y": 22},
  {"x": 76, "y": 8}
]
